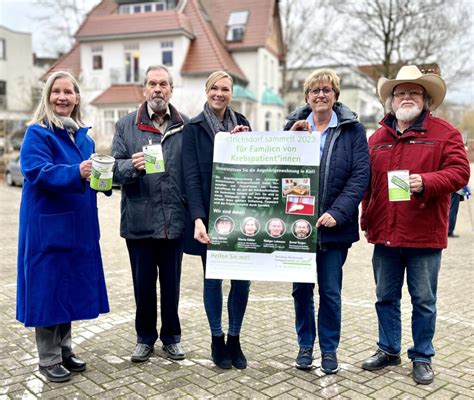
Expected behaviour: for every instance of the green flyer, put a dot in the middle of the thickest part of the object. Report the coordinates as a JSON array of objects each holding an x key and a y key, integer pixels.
[{"x": 264, "y": 206}]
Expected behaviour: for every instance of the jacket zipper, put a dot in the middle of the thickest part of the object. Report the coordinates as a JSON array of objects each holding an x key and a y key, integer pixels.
[{"x": 420, "y": 142}]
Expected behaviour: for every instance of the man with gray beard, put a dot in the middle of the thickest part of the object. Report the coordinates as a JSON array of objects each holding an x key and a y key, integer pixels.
[
  {"x": 417, "y": 161},
  {"x": 147, "y": 150}
]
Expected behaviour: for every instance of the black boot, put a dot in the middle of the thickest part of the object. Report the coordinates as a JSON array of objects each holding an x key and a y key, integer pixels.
[
  {"x": 235, "y": 352},
  {"x": 219, "y": 352}
]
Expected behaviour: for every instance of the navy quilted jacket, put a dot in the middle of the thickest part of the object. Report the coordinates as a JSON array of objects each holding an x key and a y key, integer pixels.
[{"x": 343, "y": 175}]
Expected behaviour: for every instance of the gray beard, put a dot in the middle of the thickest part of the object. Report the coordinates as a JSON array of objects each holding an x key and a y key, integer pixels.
[
  {"x": 404, "y": 114},
  {"x": 159, "y": 106}
]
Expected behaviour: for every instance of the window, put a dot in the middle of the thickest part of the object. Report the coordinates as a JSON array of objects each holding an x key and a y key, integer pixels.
[
  {"x": 3, "y": 50},
  {"x": 97, "y": 61},
  {"x": 96, "y": 57},
  {"x": 167, "y": 53},
  {"x": 3, "y": 95},
  {"x": 136, "y": 8},
  {"x": 110, "y": 117},
  {"x": 268, "y": 118},
  {"x": 236, "y": 26},
  {"x": 132, "y": 63}
]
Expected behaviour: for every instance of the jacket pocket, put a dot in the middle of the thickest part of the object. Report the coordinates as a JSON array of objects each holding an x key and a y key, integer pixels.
[
  {"x": 138, "y": 216},
  {"x": 57, "y": 231}
]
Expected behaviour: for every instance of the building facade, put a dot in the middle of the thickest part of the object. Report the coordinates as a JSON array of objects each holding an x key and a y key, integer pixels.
[{"x": 119, "y": 39}]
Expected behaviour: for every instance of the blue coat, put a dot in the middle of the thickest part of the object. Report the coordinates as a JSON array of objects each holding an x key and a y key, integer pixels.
[
  {"x": 60, "y": 275},
  {"x": 198, "y": 154},
  {"x": 343, "y": 175}
]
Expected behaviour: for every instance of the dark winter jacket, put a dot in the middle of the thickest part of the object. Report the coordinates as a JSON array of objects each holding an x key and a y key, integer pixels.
[
  {"x": 343, "y": 175},
  {"x": 153, "y": 205},
  {"x": 432, "y": 148},
  {"x": 198, "y": 154}
]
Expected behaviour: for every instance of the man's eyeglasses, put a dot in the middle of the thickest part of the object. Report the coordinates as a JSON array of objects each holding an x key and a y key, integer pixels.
[
  {"x": 316, "y": 91},
  {"x": 409, "y": 93}
]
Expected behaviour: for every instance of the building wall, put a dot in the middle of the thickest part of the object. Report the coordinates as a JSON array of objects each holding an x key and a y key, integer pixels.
[{"x": 16, "y": 70}]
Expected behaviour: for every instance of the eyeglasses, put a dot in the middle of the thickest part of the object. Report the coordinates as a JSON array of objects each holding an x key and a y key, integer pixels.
[
  {"x": 316, "y": 91},
  {"x": 409, "y": 93}
]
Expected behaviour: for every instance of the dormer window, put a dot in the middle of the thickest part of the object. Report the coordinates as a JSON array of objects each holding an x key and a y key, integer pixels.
[
  {"x": 130, "y": 7},
  {"x": 236, "y": 26}
]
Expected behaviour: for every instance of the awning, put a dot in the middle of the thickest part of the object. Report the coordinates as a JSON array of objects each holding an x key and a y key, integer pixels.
[{"x": 270, "y": 98}]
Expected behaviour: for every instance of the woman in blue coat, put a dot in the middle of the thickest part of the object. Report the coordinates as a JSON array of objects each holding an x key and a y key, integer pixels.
[
  {"x": 60, "y": 275},
  {"x": 198, "y": 147},
  {"x": 343, "y": 178}
]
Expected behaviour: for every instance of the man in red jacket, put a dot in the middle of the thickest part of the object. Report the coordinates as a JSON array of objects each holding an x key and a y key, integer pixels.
[{"x": 417, "y": 160}]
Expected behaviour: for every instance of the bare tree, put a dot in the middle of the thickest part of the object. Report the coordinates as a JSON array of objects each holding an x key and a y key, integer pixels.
[
  {"x": 308, "y": 32},
  {"x": 397, "y": 32},
  {"x": 58, "y": 21}
]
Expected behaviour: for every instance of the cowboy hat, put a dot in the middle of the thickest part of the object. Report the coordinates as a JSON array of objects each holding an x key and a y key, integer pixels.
[{"x": 432, "y": 83}]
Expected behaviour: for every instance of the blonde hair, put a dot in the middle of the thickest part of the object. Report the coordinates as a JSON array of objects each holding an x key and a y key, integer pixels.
[
  {"x": 214, "y": 77},
  {"x": 44, "y": 114},
  {"x": 322, "y": 75}
]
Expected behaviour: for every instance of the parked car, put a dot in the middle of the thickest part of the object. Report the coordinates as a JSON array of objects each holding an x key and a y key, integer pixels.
[{"x": 13, "y": 174}]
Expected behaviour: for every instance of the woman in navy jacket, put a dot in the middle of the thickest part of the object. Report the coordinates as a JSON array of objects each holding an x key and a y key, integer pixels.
[
  {"x": 60, "y": 274},
  {"x": 343, "y": 179},
  {"x": 198, "y": 146}
]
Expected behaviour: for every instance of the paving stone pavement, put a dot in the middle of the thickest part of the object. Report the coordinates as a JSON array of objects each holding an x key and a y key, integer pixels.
[{"x": 268, "y": 340}]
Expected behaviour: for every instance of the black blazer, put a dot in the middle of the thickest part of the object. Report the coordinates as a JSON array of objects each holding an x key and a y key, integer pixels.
[{"x": 198, "y": 149}]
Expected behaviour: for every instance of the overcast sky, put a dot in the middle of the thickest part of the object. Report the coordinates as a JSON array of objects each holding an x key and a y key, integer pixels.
[{"x": 19, "y": 15}]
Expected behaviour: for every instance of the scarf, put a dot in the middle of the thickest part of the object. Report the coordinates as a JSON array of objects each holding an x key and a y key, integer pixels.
[
  {"x": 226, "y": 125},
  {"x": 70, "y": 125}
]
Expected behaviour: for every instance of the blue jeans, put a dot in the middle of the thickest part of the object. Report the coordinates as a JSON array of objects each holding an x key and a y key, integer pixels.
[
  {"x": 329, "y": 275},
  {"x": 422, "y": 268},
  {"x": 236, "y": 304}
]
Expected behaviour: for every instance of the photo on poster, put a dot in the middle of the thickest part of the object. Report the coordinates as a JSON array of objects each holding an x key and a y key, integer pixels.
[
  {"x": 224, "y": 225},
  {"x": 295, "y": 186},
  {"x": 276, "y": 228},
  {"x": 301, "y": 205},
  {"x": 250, "y": 226},
  {"x": 301, "y": 229}
]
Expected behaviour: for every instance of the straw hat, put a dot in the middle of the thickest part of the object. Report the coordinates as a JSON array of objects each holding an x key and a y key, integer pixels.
[{"x": 432, "y": 83}]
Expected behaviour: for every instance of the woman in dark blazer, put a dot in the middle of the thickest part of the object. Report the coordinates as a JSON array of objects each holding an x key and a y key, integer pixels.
[{"x": 198, "y": 147}]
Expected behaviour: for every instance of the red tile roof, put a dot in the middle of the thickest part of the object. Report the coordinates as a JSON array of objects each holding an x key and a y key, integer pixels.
[
  {"x": 120, "y": 94},
  {"x": 206, "y": 53},
  {"x": 70, "y": 62},
  {"x": 259, "y": 23},
  {"x": 115, "y": 24}
]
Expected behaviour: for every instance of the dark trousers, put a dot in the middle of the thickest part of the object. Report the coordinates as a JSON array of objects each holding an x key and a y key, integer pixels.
[
  {"x": 151, "y": 259},
  {"x": 453, "y": 212}
]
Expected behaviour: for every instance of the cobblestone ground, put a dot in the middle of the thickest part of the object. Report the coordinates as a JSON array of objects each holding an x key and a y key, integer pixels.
[{"x": 268, "y": 340}]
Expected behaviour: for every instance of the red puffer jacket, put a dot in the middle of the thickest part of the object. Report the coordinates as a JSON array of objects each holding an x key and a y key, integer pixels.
[{"x": 432, "y": 148}]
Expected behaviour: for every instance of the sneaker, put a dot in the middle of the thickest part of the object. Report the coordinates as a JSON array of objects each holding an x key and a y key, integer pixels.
[
  {"x": 174, "y": 351},
  {"x": 142, "y": 352},
  {"x": 422, "y": 373},
  {"x": 304, "y": 360},
  {"x": 329, "y": 363},
  {"x": 380, "y": 360}
]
